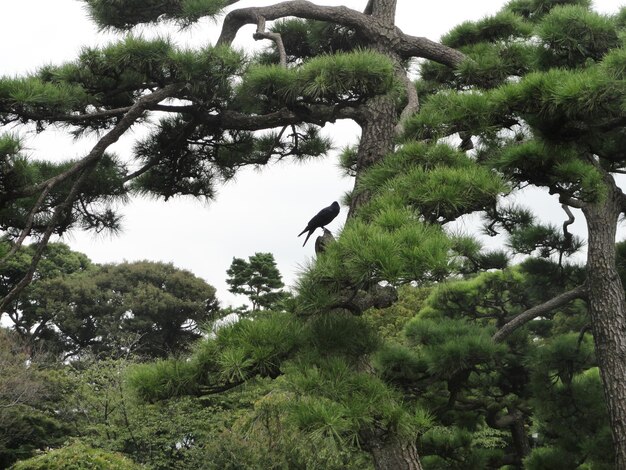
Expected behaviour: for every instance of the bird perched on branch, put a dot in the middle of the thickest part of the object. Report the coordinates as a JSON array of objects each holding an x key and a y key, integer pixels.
[{"x": 321, "y": 219}]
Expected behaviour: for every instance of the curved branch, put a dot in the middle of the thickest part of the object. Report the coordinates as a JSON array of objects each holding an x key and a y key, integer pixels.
[
  {"x": 579, "y": 292},
  {"x": 621, "y": 198},
  {"x": 375, "y": 29},
  {"x": 82, "y": 168},
  {"x": 570, "y": 220},
  {"x": 412, "y": 105},
  {"x": 276, "y": 37},
  {"x": 131, "y": 116},
  {"x": 571, "y": 201}
]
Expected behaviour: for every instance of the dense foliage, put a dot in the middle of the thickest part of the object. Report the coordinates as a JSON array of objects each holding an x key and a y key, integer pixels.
[
  {"x": 75, "y": 307},
  {"x": 258, "y": 279},
  {"x": 406, "y": 345}
]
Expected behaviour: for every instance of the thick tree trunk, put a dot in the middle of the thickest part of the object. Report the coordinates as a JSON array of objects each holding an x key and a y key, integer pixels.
[
  {"x": 392, "y": 454},
  {"x": 384, "y": 10},
  {"x": 377, "y": 138},
  {"x": 520, "y": 438},
  {"x": 607, "y": 308}
]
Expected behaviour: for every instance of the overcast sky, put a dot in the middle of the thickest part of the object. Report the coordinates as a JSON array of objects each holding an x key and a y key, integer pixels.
[{"x": 261, "y": 211}]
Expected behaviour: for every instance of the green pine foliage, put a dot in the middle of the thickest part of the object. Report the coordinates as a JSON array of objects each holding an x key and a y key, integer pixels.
[
  {"x": 543, "y": 374},
  {"x": 501, "y": 26},
  {"x": 438, "y": 182},
  {"x": 573, "y": 36},
  {"x": 114, "y": 14},
  {"x": 306, "y": 384},
  {"x": 333, "y": 336},
  {"x": 92, "y": 210},
  {"x": 258, "y": 279},
  {"x": 338, "y": 78},
  {"x": 30, "y": 95},
  {"x": 163, "y": 379}
]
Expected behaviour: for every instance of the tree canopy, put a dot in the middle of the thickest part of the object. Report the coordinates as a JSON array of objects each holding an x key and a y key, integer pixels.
[
  {"x": 258, "y": 278},
  {"x": 492, "y": 364},
  {"x": 75, "y": 307}
]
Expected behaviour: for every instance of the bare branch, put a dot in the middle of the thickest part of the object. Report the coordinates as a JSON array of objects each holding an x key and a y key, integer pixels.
[
  {"x": 412, "y": 105},
  {"x": 276, "y": 37},
  {"x": 312, "y": 114},
  {"x": 131, "y": 116},
  {"x": 571, "y": 201},
  {"x": 579, "y": 292},
  {"x": 74, "y": 118},
  {"x": 377, "y": 30},
  {"x": 29, "y": 224},
  {"x": 570, "y": 220}
]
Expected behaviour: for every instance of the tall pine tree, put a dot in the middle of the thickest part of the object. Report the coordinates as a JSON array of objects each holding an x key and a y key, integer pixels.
[{"x": 540, "y": 103}]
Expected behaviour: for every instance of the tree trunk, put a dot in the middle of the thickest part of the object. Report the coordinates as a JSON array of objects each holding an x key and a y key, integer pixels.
[
  {"x": 520, "y": 438},
  {"x": 607, "y": 308},
  {"x": 378, "y": 132},
  {"x": 377, "y": 138},
  {"x": 393, "y": 454},
  {"x": 385, "y": 10}
]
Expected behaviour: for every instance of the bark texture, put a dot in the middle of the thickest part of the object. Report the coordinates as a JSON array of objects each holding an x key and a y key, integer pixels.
[
  {"x": 377, "y": 139},
  {"x": 607, "y": 308},
  {"x": 394, "y": 454}
]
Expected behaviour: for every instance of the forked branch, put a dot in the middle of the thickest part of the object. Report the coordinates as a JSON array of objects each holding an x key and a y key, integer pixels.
[{"x": 378, "y": 32}]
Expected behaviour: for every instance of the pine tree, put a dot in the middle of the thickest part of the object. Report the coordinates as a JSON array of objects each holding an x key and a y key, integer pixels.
[
  {"x": 352, "y": 65},
  {"x": 538, "y": 103},
  {"x": 222, "y": 113},
  {"x": 328, "y": 63},
  {"x": 258, "y": 278},
  {"x": 531, "y": 398}
]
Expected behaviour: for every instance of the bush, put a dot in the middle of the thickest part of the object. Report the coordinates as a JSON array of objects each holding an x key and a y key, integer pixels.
[{"x": 77, "y": 456}]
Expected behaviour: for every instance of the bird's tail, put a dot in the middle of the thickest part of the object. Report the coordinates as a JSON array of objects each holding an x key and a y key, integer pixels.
[
  {"x": 303, "y": 232},
  {"x": 307, "y": 237}
]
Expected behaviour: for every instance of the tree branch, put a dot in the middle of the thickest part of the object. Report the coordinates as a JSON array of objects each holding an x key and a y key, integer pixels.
[
  {"x": 59, "y": 212},
  {"x": 312, "y": 114},
  {"x": 83, "y": 168},
  {"x": 412, "y": 105},
  {"x": 131, "y": 116},
  {"x": 29, "y": 225},
  {"x": 539, "y": 310},
  {"x": 570, "y": 220},
  {"x": 74, "y": 118},
  {"x": 276, "y": 37},
  {"x": 571, "y": 201},
  {"x": 375, "y": 29}
]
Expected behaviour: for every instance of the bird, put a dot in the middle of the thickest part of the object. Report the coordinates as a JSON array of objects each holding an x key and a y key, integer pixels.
[{"x": 321, "y": 219}]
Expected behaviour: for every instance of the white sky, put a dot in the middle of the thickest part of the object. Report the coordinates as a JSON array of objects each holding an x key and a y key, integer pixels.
[{"x": 261, "y": 211}]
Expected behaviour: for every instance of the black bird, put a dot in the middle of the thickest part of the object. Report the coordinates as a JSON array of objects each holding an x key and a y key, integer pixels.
[{"x": 323, "y": 218}]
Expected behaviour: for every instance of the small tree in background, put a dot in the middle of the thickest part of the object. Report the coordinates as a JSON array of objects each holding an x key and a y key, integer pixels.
[{"x": 258, "y": 279}]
